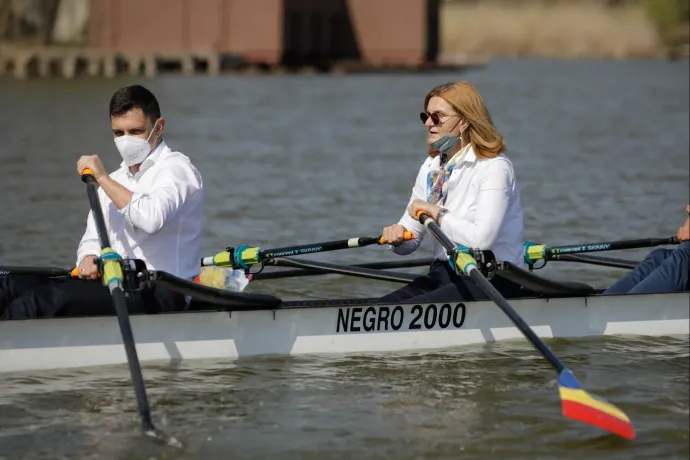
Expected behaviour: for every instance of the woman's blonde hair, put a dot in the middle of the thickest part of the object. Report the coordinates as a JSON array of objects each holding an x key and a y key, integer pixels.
[{"x": 486, "y": 141}]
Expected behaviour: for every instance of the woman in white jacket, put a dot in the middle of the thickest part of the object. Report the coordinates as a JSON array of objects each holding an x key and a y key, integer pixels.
[{"x": 469, "y": 187}]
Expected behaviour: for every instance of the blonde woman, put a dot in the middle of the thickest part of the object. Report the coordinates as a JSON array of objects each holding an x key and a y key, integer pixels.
[{"x": 469, "y": 186}]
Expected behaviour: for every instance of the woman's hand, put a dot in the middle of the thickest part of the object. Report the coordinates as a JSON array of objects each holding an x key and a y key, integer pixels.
[
  {"x": 419, "y": 205},
  {"x": 394, "y": 234}
]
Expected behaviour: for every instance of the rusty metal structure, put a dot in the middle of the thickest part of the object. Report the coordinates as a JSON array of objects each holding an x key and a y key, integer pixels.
[{"x": 273, "y": 32}]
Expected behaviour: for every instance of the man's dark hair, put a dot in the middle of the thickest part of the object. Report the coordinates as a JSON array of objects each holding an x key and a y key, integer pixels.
[{"x": 135, "y": 96}]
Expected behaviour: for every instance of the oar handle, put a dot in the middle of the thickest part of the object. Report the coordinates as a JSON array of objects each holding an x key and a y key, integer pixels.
[
  {"x": 435, "y": 229},
  {"x": 87, "y": 175},
  {"x": 407, "y": 236}
]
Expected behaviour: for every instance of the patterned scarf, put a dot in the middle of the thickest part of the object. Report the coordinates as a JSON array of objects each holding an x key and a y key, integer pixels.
[{"x": 436, "y": 180}]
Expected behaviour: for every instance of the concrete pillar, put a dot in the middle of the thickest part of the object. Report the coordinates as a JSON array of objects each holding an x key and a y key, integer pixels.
[
  {"x": 187, "y": 65},
  {"x": 21, "y": 63},
  {"x": 69, "y": 66},
  {"x": 213, "y": 65},
  {"x": 43, "y": 65},
  {"x": 133, "y": 63},
  {"x": 93, "y": 64},
  {"x": 150, "y": 66},
  {"x": 109, "y": 66}
]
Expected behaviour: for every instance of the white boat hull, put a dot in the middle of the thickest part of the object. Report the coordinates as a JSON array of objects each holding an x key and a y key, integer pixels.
[{"x": 55, "y": 343}]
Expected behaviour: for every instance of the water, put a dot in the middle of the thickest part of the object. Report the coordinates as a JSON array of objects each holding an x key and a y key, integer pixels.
[{"x": 601, "y": 151}]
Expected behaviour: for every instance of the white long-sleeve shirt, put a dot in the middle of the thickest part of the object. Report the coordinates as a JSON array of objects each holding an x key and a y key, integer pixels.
[
  {"x": 483, "y": 204},
  {"x": 162, "y": 224}
]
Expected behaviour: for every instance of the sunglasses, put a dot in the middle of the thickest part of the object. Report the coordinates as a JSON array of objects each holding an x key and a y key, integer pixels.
[{"x": 435, "y": 117}]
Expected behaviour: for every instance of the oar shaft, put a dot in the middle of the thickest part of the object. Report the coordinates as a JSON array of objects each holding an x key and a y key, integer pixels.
[
  {"x": 244, "y": 256},
  {"x": 594, "y": 260},
  {"x": 132, "y": 357},
  {"x": 112, "y": 277},
  {"x": 527, "y": 331},
  {"x": 473, "y": 272},
  {"x": 318, "y": 247},
  {"x": 436, "y": 231},
  {"x": 318, "y": 271},
  {"x": 611, "y": 246},
  {"x": 541, "y": 251},
  {"x": 345, "y": 270},
  {"x": 97, "y": 211},
  {"x": 34, "y": 271}
]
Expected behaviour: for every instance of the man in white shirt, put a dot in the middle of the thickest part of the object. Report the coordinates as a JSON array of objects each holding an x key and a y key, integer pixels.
[{"x": 153, "y": 208}]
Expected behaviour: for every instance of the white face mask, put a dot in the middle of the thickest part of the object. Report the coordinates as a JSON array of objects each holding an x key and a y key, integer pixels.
[{"x": 134, "y": 150}]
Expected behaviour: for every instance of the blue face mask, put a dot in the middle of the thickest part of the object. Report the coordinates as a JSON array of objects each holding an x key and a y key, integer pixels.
[{"x": 446, "y": 143}]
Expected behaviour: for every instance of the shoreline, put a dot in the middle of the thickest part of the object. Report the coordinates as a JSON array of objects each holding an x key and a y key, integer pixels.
[{"x": 581, "y": 30}]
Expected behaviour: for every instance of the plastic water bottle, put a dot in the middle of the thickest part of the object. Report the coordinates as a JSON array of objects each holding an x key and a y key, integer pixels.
[{"x": 223, "y": 278}]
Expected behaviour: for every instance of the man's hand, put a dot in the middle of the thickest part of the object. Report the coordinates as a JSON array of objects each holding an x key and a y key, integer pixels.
[
  {"x": 94, "y": 164},
  {"x": 88, "y": 268}
]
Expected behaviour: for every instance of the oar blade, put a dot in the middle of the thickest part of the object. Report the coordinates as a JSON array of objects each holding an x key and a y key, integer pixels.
[{"x": 581, "y": 406}]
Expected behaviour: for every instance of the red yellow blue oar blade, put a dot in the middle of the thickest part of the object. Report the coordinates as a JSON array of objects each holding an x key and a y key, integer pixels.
[{"x": 581, "y": 406}]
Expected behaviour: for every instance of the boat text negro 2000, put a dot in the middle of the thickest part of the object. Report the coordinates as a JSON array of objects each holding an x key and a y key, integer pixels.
[{"x": 343, "y": 326}]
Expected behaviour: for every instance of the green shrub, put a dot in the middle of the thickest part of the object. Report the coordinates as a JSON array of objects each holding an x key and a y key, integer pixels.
[{"x": 668, "y": 15}]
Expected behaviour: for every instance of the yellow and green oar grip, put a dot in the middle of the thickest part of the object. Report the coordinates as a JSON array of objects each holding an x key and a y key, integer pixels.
[
  {"x": 465, "y": 262},
  {"x": 112, "y": 268},
  {"x": 222, "y": 259},
  {"x": 250, "y": 256},
  {"x": 534, "y": 252},
  {"x": 242, "y": 257}
]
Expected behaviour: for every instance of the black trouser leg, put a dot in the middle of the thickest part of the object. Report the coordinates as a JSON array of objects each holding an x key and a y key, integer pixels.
[
  {"x": 35, "y": 298},
  {"x": 423, "y": 284},
  {"x": 444, "y": 285}
]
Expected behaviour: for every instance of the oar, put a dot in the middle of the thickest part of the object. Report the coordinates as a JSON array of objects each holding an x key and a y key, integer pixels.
[
  {"x": 534, "y": 252},
  {"x": 594, "y": 260},
  {"x": 577, "y": 404},
  {"x": 243, "y": 256},
  {"x": 349, "y": 270},
  {"x": 51, "y": 272},
  {"x": 111, "y": 273},
  {"x": 393, "y": 264}
]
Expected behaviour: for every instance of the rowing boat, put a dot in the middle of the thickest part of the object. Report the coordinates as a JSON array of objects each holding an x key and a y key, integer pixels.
[
  {"x": 225, "y": 324},
  {"x": 330, "y": 327}
]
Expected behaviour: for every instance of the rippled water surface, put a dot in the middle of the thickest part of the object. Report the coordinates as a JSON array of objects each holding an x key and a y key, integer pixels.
[
  {"x": 601, "y": 151},
  {"x": 497, "y": 401}
]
